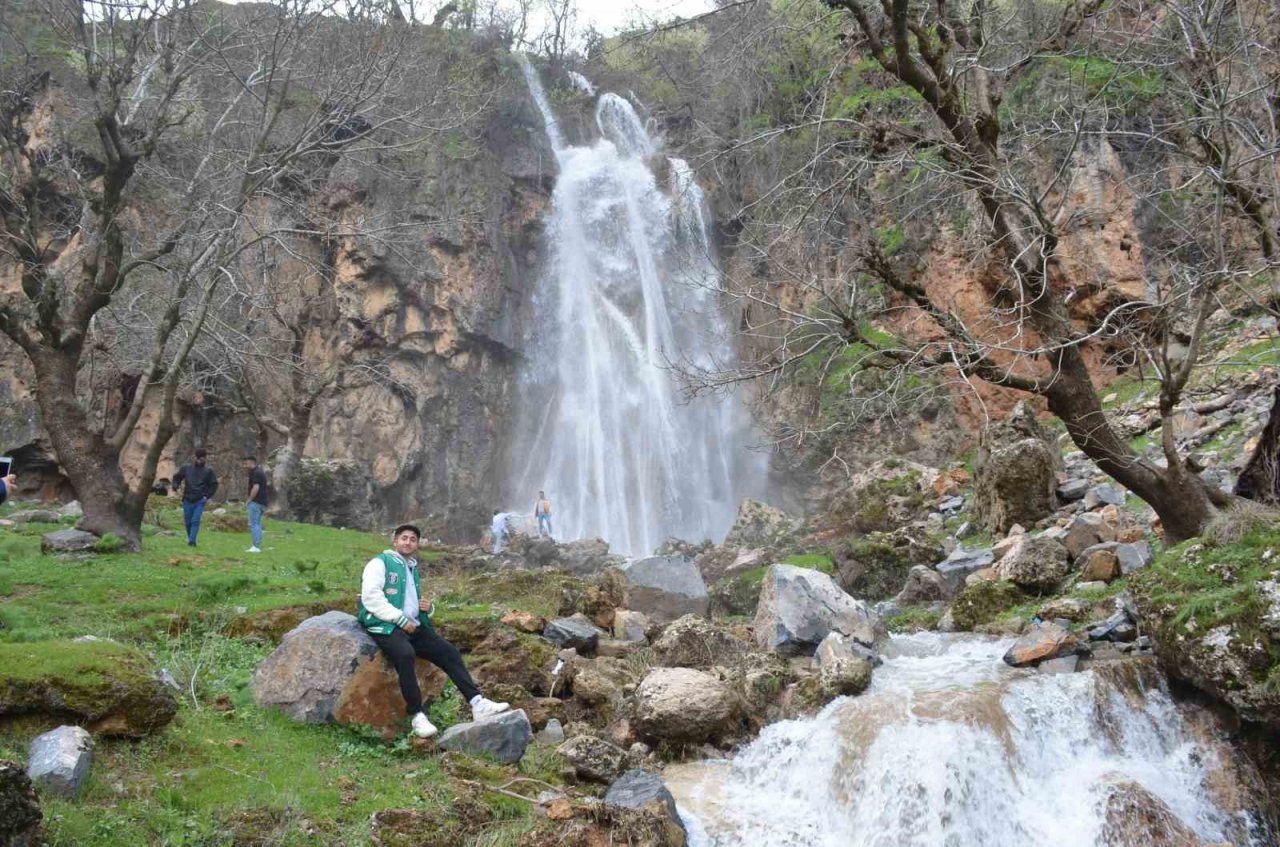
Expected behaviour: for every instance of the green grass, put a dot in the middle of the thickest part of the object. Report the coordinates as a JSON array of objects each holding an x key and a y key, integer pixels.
[
  {"x": 814, "y": 561},
  {"x": 912, "y": 619},
  {"x": 245, "y": 775}
]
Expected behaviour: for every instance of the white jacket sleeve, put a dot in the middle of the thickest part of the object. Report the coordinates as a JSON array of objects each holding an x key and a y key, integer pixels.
[{"x": 374, "y": 599}]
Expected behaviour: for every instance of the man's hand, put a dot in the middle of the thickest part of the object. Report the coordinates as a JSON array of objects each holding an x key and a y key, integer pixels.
[
  {"x": 10, "y": 481},
  {"x": 427, "y": 606},
  {"x": 411, "y": 627}
]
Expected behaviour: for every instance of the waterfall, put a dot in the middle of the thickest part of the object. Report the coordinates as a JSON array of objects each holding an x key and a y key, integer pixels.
[
  {"x": 628, "y": 294},
  {"x": 950, "y": 748}
]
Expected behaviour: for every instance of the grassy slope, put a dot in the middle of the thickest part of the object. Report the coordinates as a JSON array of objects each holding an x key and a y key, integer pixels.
[{"x": 214, "y": 775}]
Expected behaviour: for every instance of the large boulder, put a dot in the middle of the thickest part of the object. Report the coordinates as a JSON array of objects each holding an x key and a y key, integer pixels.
[
  {"x": 1041, "y": 643},
  {"x": 20, "y": 813},
  {"x": 694, "y": 642},
  {"x": 1085, "y": 531},
  {"x": 874, "y": 566},
  {"x": 641, "y": 790},
  {"x": 982, "y": 602},
  {"x": 799, "y": 607},
  {"x": 683, "y": 704},
  {"x": 956, "y": 569},
  {"x": 924, "y": 585},
  {"x": 333, "y": 492},
  {"x": 107, "y": 687},
  {"x": 1035, "y": 563},
  {"x": 59, "y": 760},
  {"x": 503, "y": 737},
  {"x": 761, "y": 525},
  {"x": 68, "y": 541},
  {"x": 1015, "y": 474},
  {"x": 586, "y": 556},
  {"x": 594, "y": 759},
  {"x": 328, "y": 669},
  {"x": 664, "y": 587},
  {"x": 576, "y": 631}
]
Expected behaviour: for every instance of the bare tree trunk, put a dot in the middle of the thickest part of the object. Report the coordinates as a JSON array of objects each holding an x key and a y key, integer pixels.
[
  {"x": 1260, "y": 479},
  {"x": 291, "y": 455}
]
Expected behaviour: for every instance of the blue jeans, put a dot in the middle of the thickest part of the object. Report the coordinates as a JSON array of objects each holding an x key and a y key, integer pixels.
[
  {"x": 191, "y": 512},
  {"x": 544, "y": 525},
  {"x": 255, "y": 522}
]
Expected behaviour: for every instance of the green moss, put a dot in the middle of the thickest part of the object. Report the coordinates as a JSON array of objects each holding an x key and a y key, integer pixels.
[
  {"x": 983, "y": 601},
  {"x": 813, "y": 561},
  {"x": 912, "y": 619}
]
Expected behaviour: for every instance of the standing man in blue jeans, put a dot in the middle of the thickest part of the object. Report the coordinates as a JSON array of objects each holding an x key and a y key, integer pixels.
[
  {"x": 542, "y": 513},
  {"x": 256, "y": 501},
  {"x": 198, "y": 483}
]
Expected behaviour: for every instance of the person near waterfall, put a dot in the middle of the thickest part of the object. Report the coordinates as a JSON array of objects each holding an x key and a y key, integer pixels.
[
  {"x": 393, "y": 611},
  {"x": 498, "y": 528},
  {"x": 542, "y": 514}
]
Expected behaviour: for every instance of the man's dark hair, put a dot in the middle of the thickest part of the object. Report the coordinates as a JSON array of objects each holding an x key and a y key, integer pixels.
[
  {"x": 200, "y": 453},
  {"x": 405, "y": 526},
  {"x": 253, "y": 459}
]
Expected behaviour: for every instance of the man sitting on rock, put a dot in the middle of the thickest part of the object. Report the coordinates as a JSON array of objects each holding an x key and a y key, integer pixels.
[{"x": 391, "y": 608}]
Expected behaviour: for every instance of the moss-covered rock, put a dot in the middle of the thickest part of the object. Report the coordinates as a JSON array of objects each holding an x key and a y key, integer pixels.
[
  {"x": 106, "y": 686},
  {"x": 510, "y": 658},
  {"x": 983, "y": 601},
  {"x": 875, "y": 566},
  {"x": 1215, "y": 616}
]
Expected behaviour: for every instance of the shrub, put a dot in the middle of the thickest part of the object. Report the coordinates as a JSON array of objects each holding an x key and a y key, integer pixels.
[
  {"x": 1246, "y": 517},
  {"x": 109, "y": 543}
]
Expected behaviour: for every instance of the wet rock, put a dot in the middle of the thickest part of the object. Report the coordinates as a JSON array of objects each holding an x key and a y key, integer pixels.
[
  {"x": 957, "y": 567},
  {"x": 1073, "y": 490},
  {"x": 799, "y": 607},
  {"x": 844, "y": 677},
  {"x": 1040, "y": 643},
  {"x": 664, "y": 587},
  {"x": 924, "y": 585},
  {"x": 1065, "y": 664},
  {"x": 59, "y": 760},
  {"x": 1015, "y": 473},
  {"x": 683, "y": 704},
  {"x": 1035, "y": 563},
  {"x": 1137, "y": 818},
  {"x": 577, "y": 632},
  {"x": 20, "y": 814},
  {"x": 981, "y": 603},
  {"x": 525, "y": 621},
  {"x": 836, "y": 647},
  {"x": 641, "y": 790},
  {"x": 594, "y": 759},
  {"x": 1104, "y": 495},
  {"x": 67, "y": 541},
  {"x": 503, "y": 737},
  {"x": 1119, "y": 627},
  {"x": 694, "y": 642},
  {"x": 1084, "y": 531}
]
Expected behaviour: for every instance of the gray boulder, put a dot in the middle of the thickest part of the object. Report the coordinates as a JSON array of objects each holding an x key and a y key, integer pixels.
[
  {"x": 1084, "y": 531},
  {"x": 799, "y": 607},
  {"x": 20, "y": 813},
  {"x": 71, "y": 510},
  {"x": 1035, "y": 563},
  {"x": 586, "y": 556},
  {"x": 593, "y": 759},
  {"x": 1104, "y": 495},
  {"x": 1015, "y": 473},
  {"x": 60, "y": 759},
  {"x": 307, "y": 673},
  {"x": 1134, "y": 556},
  {"x": 683, "y": 704},
  {"x": 637, "y": 789},
  {"x": 836, "y": 647},
  {"x": 552, "y": 733},
  {"x": 1073, "y": 490},
  {"x": 924, "y": 585},
  {"x": 503, "y": 737},
  {"x": 694, "y": 642},
  {"x": 35, "y": 516},
  {"x": 68, "y": 541},
  {"x": 957, "y": 567},
  {"x": 577, "y": 632},
  {"x": 664, "y": 587}
]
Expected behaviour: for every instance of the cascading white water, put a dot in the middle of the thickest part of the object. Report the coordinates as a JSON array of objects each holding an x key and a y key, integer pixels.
[
  {"x": 951, "y": 748},
  {"x": 629, "y": 293}
]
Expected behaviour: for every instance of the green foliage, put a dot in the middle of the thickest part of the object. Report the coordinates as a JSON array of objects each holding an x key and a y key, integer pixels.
[
  {"x": 984, "y": 601},
  {"x": 813, "y": 561},
  {"x": 912, "y": 619},
  {"x": 109, "y": 543}
]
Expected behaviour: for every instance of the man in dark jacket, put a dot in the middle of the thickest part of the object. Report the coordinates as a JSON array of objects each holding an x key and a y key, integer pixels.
[{"x": 198, "y": 483}]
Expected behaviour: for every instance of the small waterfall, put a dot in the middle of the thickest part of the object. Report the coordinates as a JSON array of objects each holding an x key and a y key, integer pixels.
[
  {"x": 951, "y": 748},
  {"x": 629, "y": 292}
]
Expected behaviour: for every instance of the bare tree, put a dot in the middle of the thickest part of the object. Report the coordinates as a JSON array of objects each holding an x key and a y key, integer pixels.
[{"x": 123, "y": 212}]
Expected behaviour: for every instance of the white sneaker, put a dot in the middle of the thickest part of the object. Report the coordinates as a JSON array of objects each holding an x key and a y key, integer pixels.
[
  {"x": 483, "y": 708},
  {"x": 253, "y": 550},
  {"x": 422, "y": 727}
]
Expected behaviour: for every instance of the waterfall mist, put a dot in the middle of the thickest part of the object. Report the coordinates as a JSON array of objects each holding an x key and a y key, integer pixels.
[{"x": 629, "y": 291}]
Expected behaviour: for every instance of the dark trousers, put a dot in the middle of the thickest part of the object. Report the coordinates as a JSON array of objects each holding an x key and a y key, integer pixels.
[{"x": 402, "y": 648}]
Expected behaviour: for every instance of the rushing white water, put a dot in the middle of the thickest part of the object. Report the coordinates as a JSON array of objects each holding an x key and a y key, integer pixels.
[
  {"x": 950, "y": 748},
  {"x": 629, "y": 293}
]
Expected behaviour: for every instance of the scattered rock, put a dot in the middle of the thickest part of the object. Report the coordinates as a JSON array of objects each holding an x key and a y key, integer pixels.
[
  {"x": 630, "y": 625},
  {"x": 71, "y": 510},
  {"x": 1084, "y": 531},
  {"x": 1134, "y": 556},
  {"x": 525, "y": 621},
  {"x": 1104, "y": 495},
  {"x": 20, "y": 813},
  {"x": 1100, "y": 563},
  {"x": 924, "y": 585},
  {"x": 845, "y": 677},
  {"x": 664, "y": 587},
  {"x": 798, "y": 607},
  {"x": 503, "y": 737},
  {"x": 1119, "y": 627},
  {"x": 59, "y": 760},
  {"x": 1073, "y": 490},
  {"x": 594, "y": 759},
  {"x": 587, "y": 556},
  {"x": 957, "y": 567},
  {"x": 1040, "y": 643},
  {"x": 694, "y": 642},
  {"x": 552, "y": 733},
  {"x": 1015, "y": 473},
  {"x": 1070, "y": 608},
  {"x": 837, "y": 647},
  {"x": 641, "y": 790},
  {"x": 35, "y": 516},
  {"x": 577, "y": 632},
  {"x": 592, "y": 685},
  {"x": 683, "y": 704},
  {"x": 68, "y": 541},
  {"x": 1035, "y": 563}
]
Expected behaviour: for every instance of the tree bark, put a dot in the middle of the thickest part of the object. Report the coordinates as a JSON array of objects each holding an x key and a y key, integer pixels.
[{"x": 291, "y": 455}]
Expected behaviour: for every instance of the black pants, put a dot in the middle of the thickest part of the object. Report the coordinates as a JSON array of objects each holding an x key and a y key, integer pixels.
[{"x": 402, "y": 648}]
